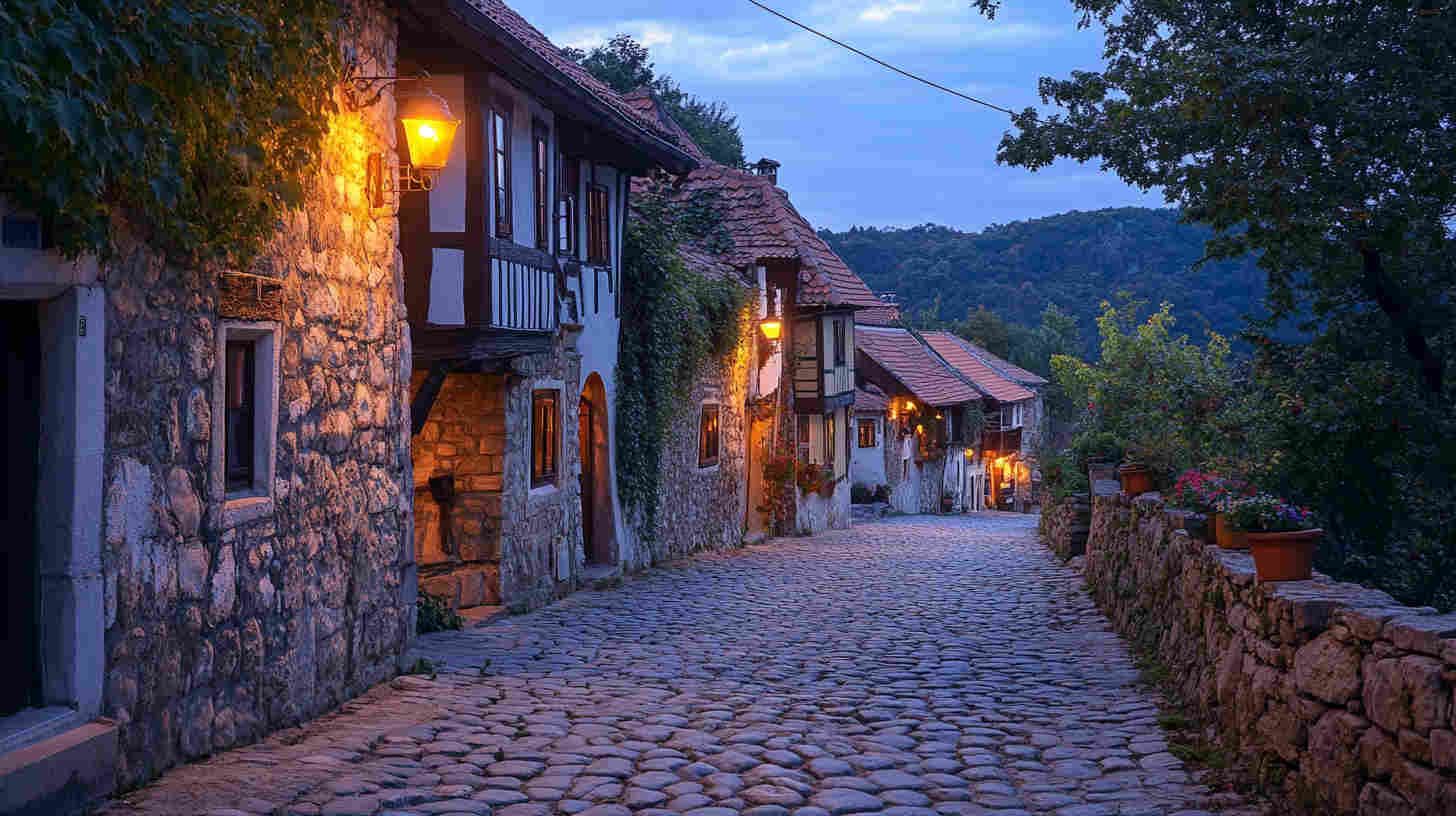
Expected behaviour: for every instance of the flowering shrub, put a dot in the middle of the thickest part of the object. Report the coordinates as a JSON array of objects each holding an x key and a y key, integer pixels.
[
  {"x": 1203, "y": 492},
  {"x": 1266, "y": 514}
]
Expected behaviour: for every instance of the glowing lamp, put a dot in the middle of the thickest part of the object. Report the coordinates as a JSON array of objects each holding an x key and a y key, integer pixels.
[
  {"x": 771, "y": 327},
  {"x": 909, "y": 405},
  {"x": 429, "y": 130}
]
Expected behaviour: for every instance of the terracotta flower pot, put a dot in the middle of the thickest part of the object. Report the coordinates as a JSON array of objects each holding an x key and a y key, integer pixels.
[
  {"x": 1228, "y": 538},
  {"x": 1284, "y": 556},
  {"x": 1136, "y": 479}
]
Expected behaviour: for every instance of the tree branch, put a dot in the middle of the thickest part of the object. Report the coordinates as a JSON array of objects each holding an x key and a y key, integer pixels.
[{"x": 1391, "y": 301}]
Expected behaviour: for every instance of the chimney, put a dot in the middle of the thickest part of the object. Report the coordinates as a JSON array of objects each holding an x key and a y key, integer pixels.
[{"x": 769, "y": 168}]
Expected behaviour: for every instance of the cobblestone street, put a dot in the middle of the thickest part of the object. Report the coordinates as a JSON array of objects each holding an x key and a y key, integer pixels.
[{"x": 917, "y": 665}]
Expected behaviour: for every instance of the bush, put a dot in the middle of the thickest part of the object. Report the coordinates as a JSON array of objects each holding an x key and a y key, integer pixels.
[
  {"x": 882, "y": 494},
  {"x": 1092, "y": 445},
  {"x": 860, "y": 494},
  {"x": 433, "y": 614}
]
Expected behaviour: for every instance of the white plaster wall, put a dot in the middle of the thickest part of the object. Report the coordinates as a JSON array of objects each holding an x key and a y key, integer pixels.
[
  {"x": 524, "y": 109},
  {"x": 868, "y": 464},
  {"x": 906, "y": 495}
]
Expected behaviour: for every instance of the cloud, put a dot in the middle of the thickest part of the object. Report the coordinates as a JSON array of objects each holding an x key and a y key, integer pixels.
[{"x": 881, "y": 14}]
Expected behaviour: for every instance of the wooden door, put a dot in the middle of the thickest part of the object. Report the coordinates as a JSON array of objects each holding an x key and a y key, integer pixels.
[
  {"x": 19, "y": 450},
  {"x": 586, "y": 422}
]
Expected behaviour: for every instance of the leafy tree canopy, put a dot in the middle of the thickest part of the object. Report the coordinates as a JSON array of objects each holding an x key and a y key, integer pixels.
[
  {"x": 196, "y": 119},
  {"x": 1321, "y": 134},
  {"x": 625, "y": 65}
]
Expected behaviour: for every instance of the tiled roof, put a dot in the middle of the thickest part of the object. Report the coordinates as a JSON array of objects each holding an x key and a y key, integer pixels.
[
  {"x": 882, "y": 315},
  {"x": 1004, "y": 368},
  {"x": 954, "y": 350},
  {"x": 516, "y": 27},
  {"x": 763, "y": 224},
  {"x": 910, "y": 362},
  {"x": 870, "y": 400}
]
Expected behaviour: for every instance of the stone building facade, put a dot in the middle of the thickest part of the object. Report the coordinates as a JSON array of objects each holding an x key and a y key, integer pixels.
[{"x": 195, "y": 602}]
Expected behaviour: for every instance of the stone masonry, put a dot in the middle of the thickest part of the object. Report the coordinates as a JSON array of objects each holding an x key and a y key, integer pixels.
[
  {"x": 1065, "y": 524},
  {"x": 1341, "y": 692},
  {"x": 222, "y": 627}
]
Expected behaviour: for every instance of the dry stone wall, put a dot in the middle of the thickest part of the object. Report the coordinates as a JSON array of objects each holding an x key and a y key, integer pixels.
[
  {"x": 1344, "y": 695},
  {"x": 1065, "y": 523},
  {"x": 222, "y": 627}
]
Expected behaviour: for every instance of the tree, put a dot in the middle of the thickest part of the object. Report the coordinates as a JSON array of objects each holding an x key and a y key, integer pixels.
[
  {"x": 1320, "y": 134},
  {"x": 625, "y": 65},
  {"x": 984, "y": 328}
]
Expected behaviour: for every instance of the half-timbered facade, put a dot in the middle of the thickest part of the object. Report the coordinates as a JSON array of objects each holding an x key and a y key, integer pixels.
[{"x": 512, "y": 267}]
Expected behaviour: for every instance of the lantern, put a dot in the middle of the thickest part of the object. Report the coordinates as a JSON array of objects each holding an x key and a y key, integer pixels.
[
  {"x": 771, "y": 327},
  {"x": 429, "y": 130}
]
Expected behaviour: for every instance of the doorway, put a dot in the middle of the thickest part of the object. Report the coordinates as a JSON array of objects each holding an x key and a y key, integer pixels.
[
  {"x": 20, "y": 399},
  {"x": 597, "y": 523}
]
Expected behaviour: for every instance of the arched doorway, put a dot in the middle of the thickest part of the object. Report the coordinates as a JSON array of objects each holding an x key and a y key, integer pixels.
[{"x": 597, "y": 524}]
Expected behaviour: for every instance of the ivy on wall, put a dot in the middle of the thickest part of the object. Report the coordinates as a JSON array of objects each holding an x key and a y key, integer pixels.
[
  {"x": 674, "y": 322},
  {"x": 198, "y": 120}
]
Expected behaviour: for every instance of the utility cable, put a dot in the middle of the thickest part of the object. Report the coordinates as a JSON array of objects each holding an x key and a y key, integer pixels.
[{"x": 881, "y": 62}]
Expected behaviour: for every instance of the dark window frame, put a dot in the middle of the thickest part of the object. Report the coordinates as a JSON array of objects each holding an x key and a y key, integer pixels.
[
  {"x": 541, "y": 178},
  {"x": 839, "y": 341},
  {"x": 545, "y": 436},
  {"x": 598, "y": 225},
  {"x": 500, "y": 138},
  {"x": 240, "y": 419},
  {"x": 710, "y": 434},
  {"x": 868, "y": 425},
  {"x": 568, "y": 177}
]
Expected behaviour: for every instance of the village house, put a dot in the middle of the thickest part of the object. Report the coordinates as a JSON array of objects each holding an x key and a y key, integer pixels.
[
  {"x": 871, "y": 418},
  {"x": 801, "y": 387},
  {"x": 211, "y": 481},
  {"x": 929, "y": 446},
  {"x": 1013, "y": 413}
]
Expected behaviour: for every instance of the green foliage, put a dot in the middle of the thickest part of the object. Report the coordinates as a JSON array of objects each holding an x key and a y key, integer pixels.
[
  {"x": 675, "y": 321},
  {"x": 1062, "y": 476},
  {"x": 1318, "y": 134},
  {"x": 433, "y": 614},
  {"x": 625, "y": 65},
  {"x": 1153, "y": 393},
  {"x": 1073, "y": 261},
  {"x": 199, "y": 120}
]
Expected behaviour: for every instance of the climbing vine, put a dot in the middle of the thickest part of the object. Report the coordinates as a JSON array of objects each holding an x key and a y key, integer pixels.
[
  {"x": 199, "y": 120},
  {"x": 674, "y": 321}
]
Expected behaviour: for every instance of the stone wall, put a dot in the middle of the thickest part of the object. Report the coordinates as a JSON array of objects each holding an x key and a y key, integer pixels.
[
  {"x": 1065, "y": 523},
  {"x": 222, "y": 626},
  {"x": 1345, "y": 696},
  {"x": 465, "y": 437},
  {"x": 704, "y": 508}
]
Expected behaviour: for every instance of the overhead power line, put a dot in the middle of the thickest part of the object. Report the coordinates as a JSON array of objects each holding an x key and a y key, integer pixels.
[{"x": 881, "y": 62}]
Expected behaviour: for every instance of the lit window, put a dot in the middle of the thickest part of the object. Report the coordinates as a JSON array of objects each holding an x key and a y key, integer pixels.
[
  {"x": 501, "y": 128},
  {"x": 708, "y": 429},
  {"x": 598, "y": 226},
  {"x": 866, "y": 433},
  {"x": 542, "y": 187},
  {"x": 545, "y": 437},
  {"x": 829, "y": 439}
]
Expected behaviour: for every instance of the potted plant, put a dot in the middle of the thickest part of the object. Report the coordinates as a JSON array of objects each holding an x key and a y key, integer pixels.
[
  {"x": 1204, "y": 493},
  {"x": 1136, "y": 478},
  {"x": 947, "y": 501},
  {"x": 1281, "y": 536}
]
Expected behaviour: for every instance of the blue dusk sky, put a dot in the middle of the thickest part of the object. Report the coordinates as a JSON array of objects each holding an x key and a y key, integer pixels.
[{"x": 861, "y": 145}]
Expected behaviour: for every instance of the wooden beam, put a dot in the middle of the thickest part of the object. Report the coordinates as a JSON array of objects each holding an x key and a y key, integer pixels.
[{"x": 424, "y": 400}]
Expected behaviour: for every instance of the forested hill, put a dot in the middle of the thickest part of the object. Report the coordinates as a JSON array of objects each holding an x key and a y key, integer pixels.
[{"x": 1074, "y": 260}]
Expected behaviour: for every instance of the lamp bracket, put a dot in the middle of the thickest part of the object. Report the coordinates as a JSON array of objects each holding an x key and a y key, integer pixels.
[
  {"x": 386, "y": 179},
  {"x": 360, "y": 90}
]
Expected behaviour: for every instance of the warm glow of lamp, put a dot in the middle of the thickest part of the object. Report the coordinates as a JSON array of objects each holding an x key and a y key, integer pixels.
[
  {"x": 909, "y": 405},
  {"x": 771, "y": 327},
  {"x": 429, "y": 130}
]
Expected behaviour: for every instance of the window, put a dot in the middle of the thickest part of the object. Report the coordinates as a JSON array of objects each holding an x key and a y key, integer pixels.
[
  {"x": 545, "y": 437},
  {"x": 829, "y": 457},
  {"x": 598, "y": 226},
  {"x": 708, "y": 436},
  {"x": 839, "y": 341},
  {"x": 1010, "y": 416},
  {"x": 866, "y": 433},
  {"x": 240, "y": 414},
  {"x": 803, "y": 437},
  {"x": 568, "y": 178},
  {"x": 501, "y": 129},
  {"x": 542, "y": 187}
]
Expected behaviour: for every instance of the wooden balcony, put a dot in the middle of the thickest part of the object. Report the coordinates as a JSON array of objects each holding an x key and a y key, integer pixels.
[{"x": 506, "y": 306}]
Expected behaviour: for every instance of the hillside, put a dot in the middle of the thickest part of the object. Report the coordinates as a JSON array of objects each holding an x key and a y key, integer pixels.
[{"x": 1074, "y": 260}]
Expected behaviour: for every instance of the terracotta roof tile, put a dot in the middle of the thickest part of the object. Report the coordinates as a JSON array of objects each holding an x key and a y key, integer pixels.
[
  {"x": 882, "y": 315},
  {"x": 913, "y": 364},
  {"x": 953, "y": 350},
  {"x": 870, "y": 400},
  {"x": 513, "y": 24},
  {"x": 1004, "y": 368}
]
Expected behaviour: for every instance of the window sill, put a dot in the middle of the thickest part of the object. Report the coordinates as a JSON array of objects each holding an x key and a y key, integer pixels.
[
  {"x": 242, "y": 509},
  {"x": 711, "y": 467},
  {"x": 543, "y": 491}
]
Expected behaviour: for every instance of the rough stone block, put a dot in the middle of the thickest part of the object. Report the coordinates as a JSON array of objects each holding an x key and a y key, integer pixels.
[
  {"x": 446, "y": 587},
  {"x": 1378, "y": 800},
  {"x": 1423, "y": 684},
  {"x": 1443, "y": 749},
  {"x": 1384, "y": 703},
  {"x": 1426, "y": 634},
  {"x": 1420, "y": 785},
  {"x": 1328, "y": 670}
]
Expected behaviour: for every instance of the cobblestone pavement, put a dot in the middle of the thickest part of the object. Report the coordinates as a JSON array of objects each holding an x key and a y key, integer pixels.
[{"x": 920, "y": 665}]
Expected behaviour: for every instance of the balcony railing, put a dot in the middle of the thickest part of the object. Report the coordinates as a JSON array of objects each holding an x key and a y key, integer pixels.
[{"x": 514, "y": 288}]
